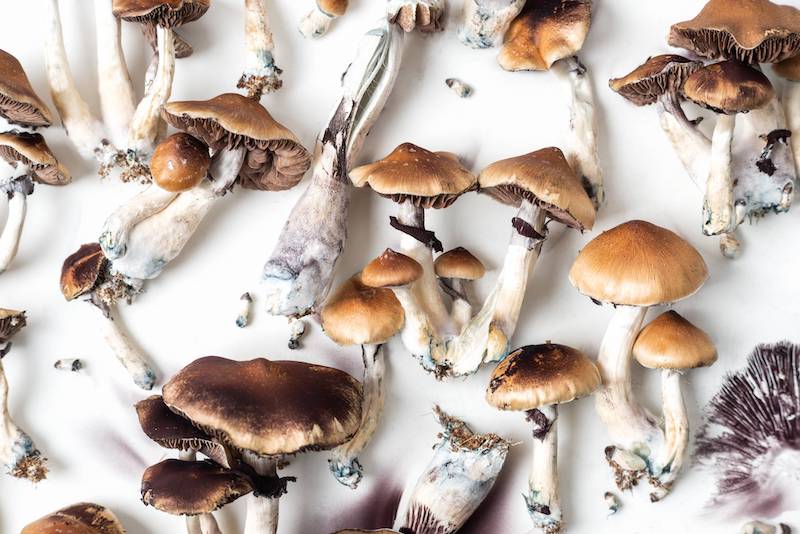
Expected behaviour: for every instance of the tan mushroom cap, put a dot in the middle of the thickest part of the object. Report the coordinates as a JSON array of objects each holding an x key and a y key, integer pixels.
[
  {"x": 752, "y": 31},
  {"x": 545, "y": 178},
  {"x": 459, "y": 263},
  {"x": 82, "y": 518},
  {"x": 166, "y": 13},
  {"x": 391, "y": 269},
  {"x": 542, "y": 375},
  {"x": 416, "y": 175},
  {"x": 19, "y": 103},
  {"x": 275, "y": 159},
  {"x": 267, "y": 407},
  {"x": 672, "y": 342},
  {"x": 729, "y": 87},
  {"x": 357, "y": 314},
  {"x": 657, "y": 76},
  {"x": 545, "y": 32},
  {"x": 179, "y": 163},
  {"x": 31, "y": 149},
  {"x": 82, "y": 270},
  {"x": 11, "y": 322},
  {"x": 334, "y": 8},
  {"x": 788, "y": 69},
  {"x": 638, "y": 264}
]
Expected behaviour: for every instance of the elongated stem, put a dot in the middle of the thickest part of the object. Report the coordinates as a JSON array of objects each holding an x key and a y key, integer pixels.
[
  {"x": 417, "y": 334},
  {"x": 260, "y": 72},
  {"x": 461, "y": 308},
  {"x": 262, "y": 512},
  {"x": 544, "y": 504},
  {"x": 18, "y": 454},
  {"x": 668, "y": 463},
  {"x": 718, "y": 214},
  {"x": 209, "y": 525},
  {"x": 691, "y": 145},
  {"x": 9, "y": 238},
  {"x": 791, "y": 106},
  {"x": 486, "y": 21}
]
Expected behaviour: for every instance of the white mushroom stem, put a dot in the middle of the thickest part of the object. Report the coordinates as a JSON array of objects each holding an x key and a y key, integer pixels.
[
  {"x": 417, "y": 335},
  {"x": 317, "y": 22},
  {"x": 260, "y": 73},
  {"x": 542, "y": 499},
  {"x": 209, "y": 525},
  {"x": 667, "y": 464},
  {"x": 486, "y": 21},
  {"x": 791, "y": 106},
  {"x": 12, "y": 231},
  {"x": 225, "y": 168},
  {"x": 461, "y": 308},
  {"x": 262, "y": 512},
  {"x": 718, "y": 216},
  {"x": 464, "y": 353},
  {"x": 245, "y": 303},
  {"x": 691, "y": 145}
]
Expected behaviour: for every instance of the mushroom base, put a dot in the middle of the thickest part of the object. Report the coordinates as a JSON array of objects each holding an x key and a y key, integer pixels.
[
  {"x": 260, "y": 73},
  {"x": 316, "y": 23},
  {"x": 262, "y": 79},
  {"x": 486, "y": 21},
  {"x": 18, "y": 454},
  {"x": 542, "y": 499}
]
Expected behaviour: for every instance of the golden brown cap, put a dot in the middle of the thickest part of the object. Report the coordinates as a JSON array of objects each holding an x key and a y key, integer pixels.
[
  {"x": 729, "y": 87},
  {"x": 334, "y": 8},
  {"x": 275, "y": 159},
  {"x": 357, "y": 314},
  {"x": 19, "y": 103},
  {"x": 541, "y": 375},
  {"x": 543, "y": 177},
  {"x": 391, "y": 269},
  {"x": 788, "y": 69},
  {"x": 82, "y": 270},
  {"x": 638, "y": 264},
  {"x": 11, "y": 322},
  {"x": 31, "y": 149},
  {"x": 416, "y": 175},
  {"x": 459, "y": 263},
  {"x": 82, "y": 518},
  {"x": 752, "y": 31},
  {"x": 545, "y": 32},
  {"x": 656, "y": 76},
  {"x": 179, "y": 163},
  {"x": 166, "y": 13},
  {"x": 672, "y": 342}
]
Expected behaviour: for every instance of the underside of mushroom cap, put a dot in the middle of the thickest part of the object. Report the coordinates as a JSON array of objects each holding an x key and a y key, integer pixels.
[
  {"x": 657, "y": 76},
  {"x": 459, "y": 263},
  {"x": 19, "y": 103},
  {"x": 729, "y": 87},
  {"x": 82, "y": 518},
  {"x": 82, "y": 270},
  {"x": 391, "y": 269},
  {"x": 31, "y": 149},
  {"x": 672, "y": 342},
  {"x": 11, "y": 322},
  {"x": 166, "y": 13}
]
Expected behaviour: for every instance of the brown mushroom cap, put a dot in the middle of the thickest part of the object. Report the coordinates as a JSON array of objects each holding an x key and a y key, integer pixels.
[
  {"x": 166, "y": 13},
  {"x": 391, "y": 269},
  {"x": 788, "y": 69},
  {"x": 11, "y": 322},
  {"x": 31, "y": 149},
  {"x": 334, "y": 8},
  {"x": 179, "y": 163},
  {"x": 416, "y": 175},
  {"x": 672, "y": 342},
  {"x": 82, "y": 518},
  {"x": 19, "y": 103},
  {"x": 82, "y": 270},
  {"x": 459, "y": 263},
  {"x": 275, "y": 159},
  {"x": 269, "y": 408},
  {"x": 545, "y": 32},
  {"x": 657, "y": 76},
  {"x": 542, "y": 375},
  {"x": 545, "y": 178},
  {"x": 752, "y": 31},
  {"x": 638, "y": 264},
  {"x": 729, "y": 87}
]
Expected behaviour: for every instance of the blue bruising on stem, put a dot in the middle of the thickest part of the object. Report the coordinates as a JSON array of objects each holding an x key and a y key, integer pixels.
[
  {"x": 146, "y": 379},
  {"x": 348, "y": 474},
  {"x": 26, "y": 460},
  {"x": 540, "y": 513}
]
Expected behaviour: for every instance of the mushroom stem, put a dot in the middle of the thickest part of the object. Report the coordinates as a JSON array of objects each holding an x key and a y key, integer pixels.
[
  {"x": 464, "y": 353},
  {"x": 209, "y": 525},
  {"x": 791, "y": 107},
  {"x": 461, "y": 308},
  {"x": 691, "y": 145},
  {"x": 9, "y": 238},
  {"x": 260, "y": 73},
  {"x": 718, "y": 214},
  {"x": 544, "y": 504},
  {"x": 246, "y": 302},
  {"x": 417, "y": 334},
  {"x": 225, "y": 168},
  {"x": 486, "y": 21},
  {"x": 316, "y": 23},
  {"x": 667, "y": 464},
  {"x": 262, "y": 512}
]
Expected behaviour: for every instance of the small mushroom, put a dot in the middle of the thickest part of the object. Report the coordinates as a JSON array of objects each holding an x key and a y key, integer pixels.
[
  {"x": 261, "y": 74},
  {"x": 460, "y": 88},
  {"x": 243, "y": 318},
  {"x": 612, "y": 503},
  {"x": 419, "y": 15},
  {"x": 81, "y": 518},
  {"x": 486, "y": 21},
  {"x": 317, "y": 22},
  {"x": 456, "y": 270},
  {"x": 72, "y": 365}
]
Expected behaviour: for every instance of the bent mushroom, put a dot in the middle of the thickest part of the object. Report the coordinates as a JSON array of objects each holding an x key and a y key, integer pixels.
[
  {"x": 260, "y": 73},
  {"x": 486, "y": 21},
  {"x": 317, "y": 22},
  {"x": 456, "y": 270},
  {"x": 81, "y": 518}
]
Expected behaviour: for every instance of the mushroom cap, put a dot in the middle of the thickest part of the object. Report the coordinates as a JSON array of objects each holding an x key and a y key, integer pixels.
[
  {"x": 391, "y": 269},
  {"x": 275, "y": 159},
  {"x": 82, "y": 518},
  {"x": 638, "y": 264},
  {"x": 541, "y": 375},
  {"x": 31, "y": 149},
  {"x": 267, "y": 407},
  {"x": 166, "y": 13},
  {"x": 459, "y": 263},
  {"x": 82, "y": 270},
  {"x": 191, "y": 488},
  {"x": 672, "y": 342},
  {"x": 416, "y": 175},
  {"x": 729, "y": 87},
  {"x": 334, "y": 8},
  {"x": 545, "y": 32},
  {"x": 788, "y": 69},
  {"x": 752, "y": 31},
  {"x": 179, "y": 163},
  {"x": 357, "y": 314},
  {"x": 545, "y": 178},
  {"x": 658, "y": 75},
  {"x": 19, "y": 103},
  {"x": 11, "y": 322}
]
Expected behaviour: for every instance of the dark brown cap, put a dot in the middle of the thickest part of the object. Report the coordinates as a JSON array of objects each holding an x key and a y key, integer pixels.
[
  {"x": 789, "y": 69},
  {"x": 19, "y": 103},
  {"x": 656, "y": 76},
  {"x": 82, "y": 270},
  {"x": 11, "y": 322},
  {"x": 82, "y": 518},
  {"x": 166, "y": 13},
  {"x": 391, "y": 269},
  {"x": 729, "y": 87},
  {"x": 672, "y": 342},
  {"x": 179, "y": 163},
  {"x": 31, "y": 149},
  {"x": 459, "y": 263}
]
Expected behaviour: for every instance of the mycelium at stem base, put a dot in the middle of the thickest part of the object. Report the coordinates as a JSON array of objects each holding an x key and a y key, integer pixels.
[
  {"x": 262, "y": 511},
  {"x": 261, "y": 75},
  {"x": 486, "y": 21}
]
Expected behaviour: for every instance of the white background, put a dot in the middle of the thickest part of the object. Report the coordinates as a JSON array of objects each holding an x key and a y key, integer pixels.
[{"x": 85, "y": 422}]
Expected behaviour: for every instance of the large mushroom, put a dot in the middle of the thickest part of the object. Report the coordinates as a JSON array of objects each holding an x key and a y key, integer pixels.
[
  {"x": 318, "y": 20},
  {"x": 81, "y": 518},
  {"x": 261, "y": 74},
  {"x": 20, "y": 106},
  {"x": 486, "y": 21},
  {"x": 457, "y": 269}
]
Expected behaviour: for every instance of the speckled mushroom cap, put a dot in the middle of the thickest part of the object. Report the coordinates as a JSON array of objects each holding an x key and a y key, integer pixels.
[
  {"x": 19, "y": 103},
  {"x": 541, "y": 375},
  {"x": 334, "y": 8},
  {"x": 638, "y": 264},
  {"x": 11, "y": 322},
  {"x": 657, "y": 76},
  {"x": 391, "y": 269},
  {"x": 788, "y": 69},
  {"x": 275, "y": 159},
  {"x": 82, "y": 518},
  {"x": 672, "y": 342},
  {"x": 267, "y": 407},
  {"x": 545, "y": 32},
  {"x": 356, "y": 314},
  {"x": 82, "y": 270},
  {"x": 729, "y": 87},
  {"x": 545, "y": 178},
  {"x": 416, "y": 175},
  {"x": 166, "y": 13},
  {"x": 752, "y": 31},
  {"x": 31, "y": 149},
  {"x": 179, "y": 163},
  {"x": 459, "y": 263}
]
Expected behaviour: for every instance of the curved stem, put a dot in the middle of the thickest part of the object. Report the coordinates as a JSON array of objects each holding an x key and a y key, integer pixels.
[
  {"x": 668, "y": 463},
  {"x": 486, "y": 21},
  {"x": 260, "y": 72},
  {"x": 718, "y": 214},
  {"x": 262, "y": 512},
  {"x": 9, "y": 239},
  {"x": 225, "y": 168},
  {"x": 542, "y": 499},
  {"x": 691, "y": 145}
]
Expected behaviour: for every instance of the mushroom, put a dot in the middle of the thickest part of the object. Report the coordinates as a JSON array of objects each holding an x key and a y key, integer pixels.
[
  {"x": 547, "y": 35},
  {"x": 633, "y": 266},
  {"x": 317, "y": 22},
  {"x": 421, "y": 15},
  {"x": 356, "y": 314},
  {"x": 535, "y": 380},
  {"x": 456, "y": 270},
  {"x": 673, "y": 345},
  {"x": 20, "y": 106},
  {"x": 486, "y": 21},
  {"x": 789, "y": 70},
  {"x": 246, "y": 302},
  {"x": 260, "y": 73},
  {"x": 87, "y": 273},
  {"x": 81, "y": 518}
]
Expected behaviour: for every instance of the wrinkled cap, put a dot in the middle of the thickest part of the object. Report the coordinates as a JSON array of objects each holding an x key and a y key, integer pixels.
[
  {"x": 391, "y": 269},
  {"x": 459, "y": 263},
  {"x": 31, "y": 149},
  {"x": 179, "y": 163},
  {"x": 275, "y": 159},
  {"x": 266, "y": 407},
  {"x": 334, "y": 8},
  {"x": 11, "y": 322},
  {"x": 789, "y": 69},
  {"x": 541, "y": 375},
  {"x": 545, "y": 32},
  {"x": 657, "y": 76},
  {"x": 19, "y": 103},
  {"x": 82, "y": 518},
  {"x": 82, "y": 271},
  {"x": 416, "y": 175},
  {"x": 166, "y": 13},
  {"x": 729, "y": 87},
  {"x": 545, "y": 178},
  {"x": 672, "y": 342},
  {"x": 638, "y": 264},
  {"x": 752, "y": 31}
]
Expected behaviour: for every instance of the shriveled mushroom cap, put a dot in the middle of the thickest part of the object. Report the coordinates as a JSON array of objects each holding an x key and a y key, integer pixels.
[
  {"x": 789, "y": 69},
  {"x": 275, "y": 158},
  {"x": 334, "y": 8},
  {"x": 459, "y": 263},
  {"x": 752, "y": 31},
  {"x": 672, "y": 342},
  {"x": 638, "y": 264},
  {"x": 729, "y": 87},
  {"x": 416, "y": 175},
  {"x": 269, "y": 408},
  {"x": 543, "y": 177},
  {"x": 82, "y": 518},
  {"x": 19, "y": 103},
  {"x": 545, "y": 32},
  {"x": 179, "y": 163},
  {"x": 166, "y": 13},
  {"x": 11, "y": 322},
  {"x": 541, "y": 375},
  {"x": 357, "y": 314},
  {"x": 391, "y": 269},
  {"x": 82, "y": 270},
  {"x": 31, "y": 149},
  {"x": 656, "y": 76}
]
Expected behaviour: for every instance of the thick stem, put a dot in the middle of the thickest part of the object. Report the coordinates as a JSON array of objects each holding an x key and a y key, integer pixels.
[
  {"x": 262, "y": 512},
  {"x": 691, "y": 145},
  {"x": 668, "y": 463},
  {"x": 18, "y": 454},
  {"x": 718, "y": 214},
  {"x": 544, "y": 504},
  {"x": 791, "y": 106},
  {"x": 9, "y": 238},
  {"x": 486, "y": 21},
  {"x": 225, "y": 168},
  {"x": 316, "y": 23},
  {"x": 417, "y": 334},
  {"x": 260, "y": 72}
]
